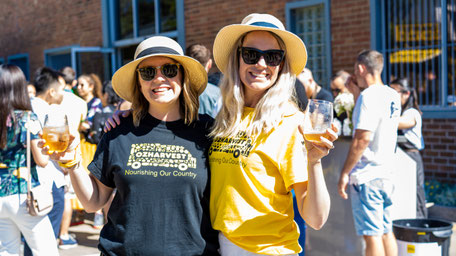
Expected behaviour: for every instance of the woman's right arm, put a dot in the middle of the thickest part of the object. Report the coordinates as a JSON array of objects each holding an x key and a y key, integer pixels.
[{"x": 90, "y": 191}]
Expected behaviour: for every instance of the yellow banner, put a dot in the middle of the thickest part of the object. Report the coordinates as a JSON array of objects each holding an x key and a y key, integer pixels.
[
  {"x": 413, "y": 56},
  {"x": 417, "y": 32}
]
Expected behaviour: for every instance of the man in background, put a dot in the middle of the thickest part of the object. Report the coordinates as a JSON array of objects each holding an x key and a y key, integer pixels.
[
  {"x": 69, "y": 75},
  {"x": 367, "y": 169},
  {"x": 313, "y": 90},
  {"x": 210, "y": 99},
  {"x": 338, "y": 81},
  {"x": 76, "y": 110}
]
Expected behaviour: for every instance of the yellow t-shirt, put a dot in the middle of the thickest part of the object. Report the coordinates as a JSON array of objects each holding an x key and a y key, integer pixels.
[{"x": 250, "y": 201}]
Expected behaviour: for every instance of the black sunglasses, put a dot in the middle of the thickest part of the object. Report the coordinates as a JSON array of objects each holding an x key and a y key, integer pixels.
[
  {"x": 251, "y": 56},
  {"x": 168, "y": 70}
]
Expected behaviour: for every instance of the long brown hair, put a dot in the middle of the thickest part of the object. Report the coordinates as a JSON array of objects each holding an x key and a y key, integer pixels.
[
  {"x": 13, "y": 96},
  {"x": 94, "y": 79}
]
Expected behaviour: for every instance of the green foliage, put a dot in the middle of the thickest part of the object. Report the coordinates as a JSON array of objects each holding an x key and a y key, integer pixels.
[{"x": 440, "y": 193}]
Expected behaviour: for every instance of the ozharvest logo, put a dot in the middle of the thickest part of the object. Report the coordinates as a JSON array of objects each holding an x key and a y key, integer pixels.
[
  {"x": 241, "y": 144},
  {"x": 156, "y": 154}
]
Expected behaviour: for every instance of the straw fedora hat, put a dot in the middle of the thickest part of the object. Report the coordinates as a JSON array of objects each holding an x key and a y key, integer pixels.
[
  {"x": 123, "y": 81},
  {"x": 226, "y": 38}
]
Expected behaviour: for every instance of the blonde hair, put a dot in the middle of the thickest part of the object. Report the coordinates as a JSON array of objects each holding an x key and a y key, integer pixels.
[
  {"x": 188, "y": 100},
  {"x": 268, "y": 112}
]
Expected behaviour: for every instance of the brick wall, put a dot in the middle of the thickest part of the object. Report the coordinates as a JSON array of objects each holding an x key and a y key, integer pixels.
[
  {"x": 350, "y": 32},
  {"x": 203, "y": 19},
  {"x": 439, "y": 155},
  {"x": 37, "y": 25},
  {"x": 350, "y": 23}
]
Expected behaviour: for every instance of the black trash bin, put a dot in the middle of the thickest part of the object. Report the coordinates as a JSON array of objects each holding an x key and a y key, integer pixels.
[{"x": 422, "y": 236}]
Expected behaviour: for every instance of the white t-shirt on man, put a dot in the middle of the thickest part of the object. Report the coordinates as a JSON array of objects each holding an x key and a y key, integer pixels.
[{"x": 377, "y": 110}]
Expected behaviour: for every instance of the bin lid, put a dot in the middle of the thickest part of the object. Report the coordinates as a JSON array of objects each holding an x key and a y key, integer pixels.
[{"x": 423, "y": 224}]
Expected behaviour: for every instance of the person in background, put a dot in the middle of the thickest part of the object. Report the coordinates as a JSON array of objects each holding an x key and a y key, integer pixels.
[
  {"x": 112, "y": 102},
  {"x": 89, "y": 89},
  {"x": 14, "y": 217},
  {"x": 161, "y": 202},
  {"x": 259, "y": 154},
  {"x": 76, "y": 110},
  {"x": 411, "y": 140},
  {"x": 31, "y": 90},
  {"x": 338, "y": 81},
  {"x": 313, "y": 90},
  {"x": 301, "y": 95},
  {"x": 367, "y": 170},
  {"x": 96, "y": 132},
  {"x": 340, "y": 92},
  {"x": 50, "y": 90},
  {"x": 70, "y": 78},
  {"x": 210, "y": 99}
]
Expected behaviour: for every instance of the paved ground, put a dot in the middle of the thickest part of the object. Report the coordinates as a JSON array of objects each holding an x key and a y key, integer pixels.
[{"x": 88, "y": 240}]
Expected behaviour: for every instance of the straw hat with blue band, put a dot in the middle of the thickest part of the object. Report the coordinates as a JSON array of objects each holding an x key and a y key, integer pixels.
[
  {"x": 123, "y": 81},
  {"x": 226, "y": 38}
]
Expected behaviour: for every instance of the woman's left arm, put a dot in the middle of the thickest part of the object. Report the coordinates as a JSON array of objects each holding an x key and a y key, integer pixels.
[
  {"x": 406, "y": 122},
  {"x": 313, "y": 196}
]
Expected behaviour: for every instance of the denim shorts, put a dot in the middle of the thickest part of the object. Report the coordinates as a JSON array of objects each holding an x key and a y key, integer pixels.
[{"x": 371, "y": 206}]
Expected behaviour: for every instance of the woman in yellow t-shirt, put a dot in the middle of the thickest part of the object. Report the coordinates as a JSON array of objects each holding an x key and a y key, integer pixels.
[{"x": 257, "y": 156}]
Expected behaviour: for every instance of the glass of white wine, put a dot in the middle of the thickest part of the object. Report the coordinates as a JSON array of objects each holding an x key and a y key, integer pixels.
[
  {"x": 56, "y": 132},
  {"x": 318, "y": 117}
]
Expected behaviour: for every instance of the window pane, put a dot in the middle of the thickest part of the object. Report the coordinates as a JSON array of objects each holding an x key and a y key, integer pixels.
[
  {"x": 310, "y": 24},
  {"x": 168, "y": 15},
  {"x": 451, "y": 21},
  {"x": 21, "y": 63},
  {"x": 94, "y": 62},
  {"x": 125, "y": 19},
  {"x": 127, "y": 54},
  {"x": 452, "y": 76},
  {"x": 414, "y": 47},
  {"x": 59, "y": 61},
  {"x": 146, "y": 9}
]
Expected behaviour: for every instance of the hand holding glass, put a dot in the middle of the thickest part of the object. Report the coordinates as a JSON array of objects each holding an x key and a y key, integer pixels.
[
  {"x": 56, "y": 132},
  {"x": 318, "y": 118}
]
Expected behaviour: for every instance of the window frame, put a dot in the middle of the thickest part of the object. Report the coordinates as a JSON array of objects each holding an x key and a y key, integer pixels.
[
  {"x": 110, "y": 23},
  {"x": 378, "y": 42},
  {"x": 73, "y": 50},
  {"x": 27, "y": 61},
  {"x": 57, "y": 51},
  {"x": 289, "y": 7}
]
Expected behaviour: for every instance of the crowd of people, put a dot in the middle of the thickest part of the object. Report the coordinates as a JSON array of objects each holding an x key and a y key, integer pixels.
[{"x": 172, "y": 164}]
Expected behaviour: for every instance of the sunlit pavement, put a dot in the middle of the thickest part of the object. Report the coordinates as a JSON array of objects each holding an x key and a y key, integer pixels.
[{"x": 87, "y": 238}]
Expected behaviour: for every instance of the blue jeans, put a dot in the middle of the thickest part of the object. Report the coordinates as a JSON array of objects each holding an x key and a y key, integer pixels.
[
  {"x": 371, "y": 206},
  {"x": 55, "y": 215}
]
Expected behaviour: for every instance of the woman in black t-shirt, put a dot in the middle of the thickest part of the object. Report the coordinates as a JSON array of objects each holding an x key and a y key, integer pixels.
[{"x": 156, "y": 159}]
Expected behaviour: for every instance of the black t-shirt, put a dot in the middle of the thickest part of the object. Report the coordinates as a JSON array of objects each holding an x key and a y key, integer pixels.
[
  {"x": 160, "y": 171},
  {"x": 324, "y": 94},
  {"x": 301, "y": 95}
]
